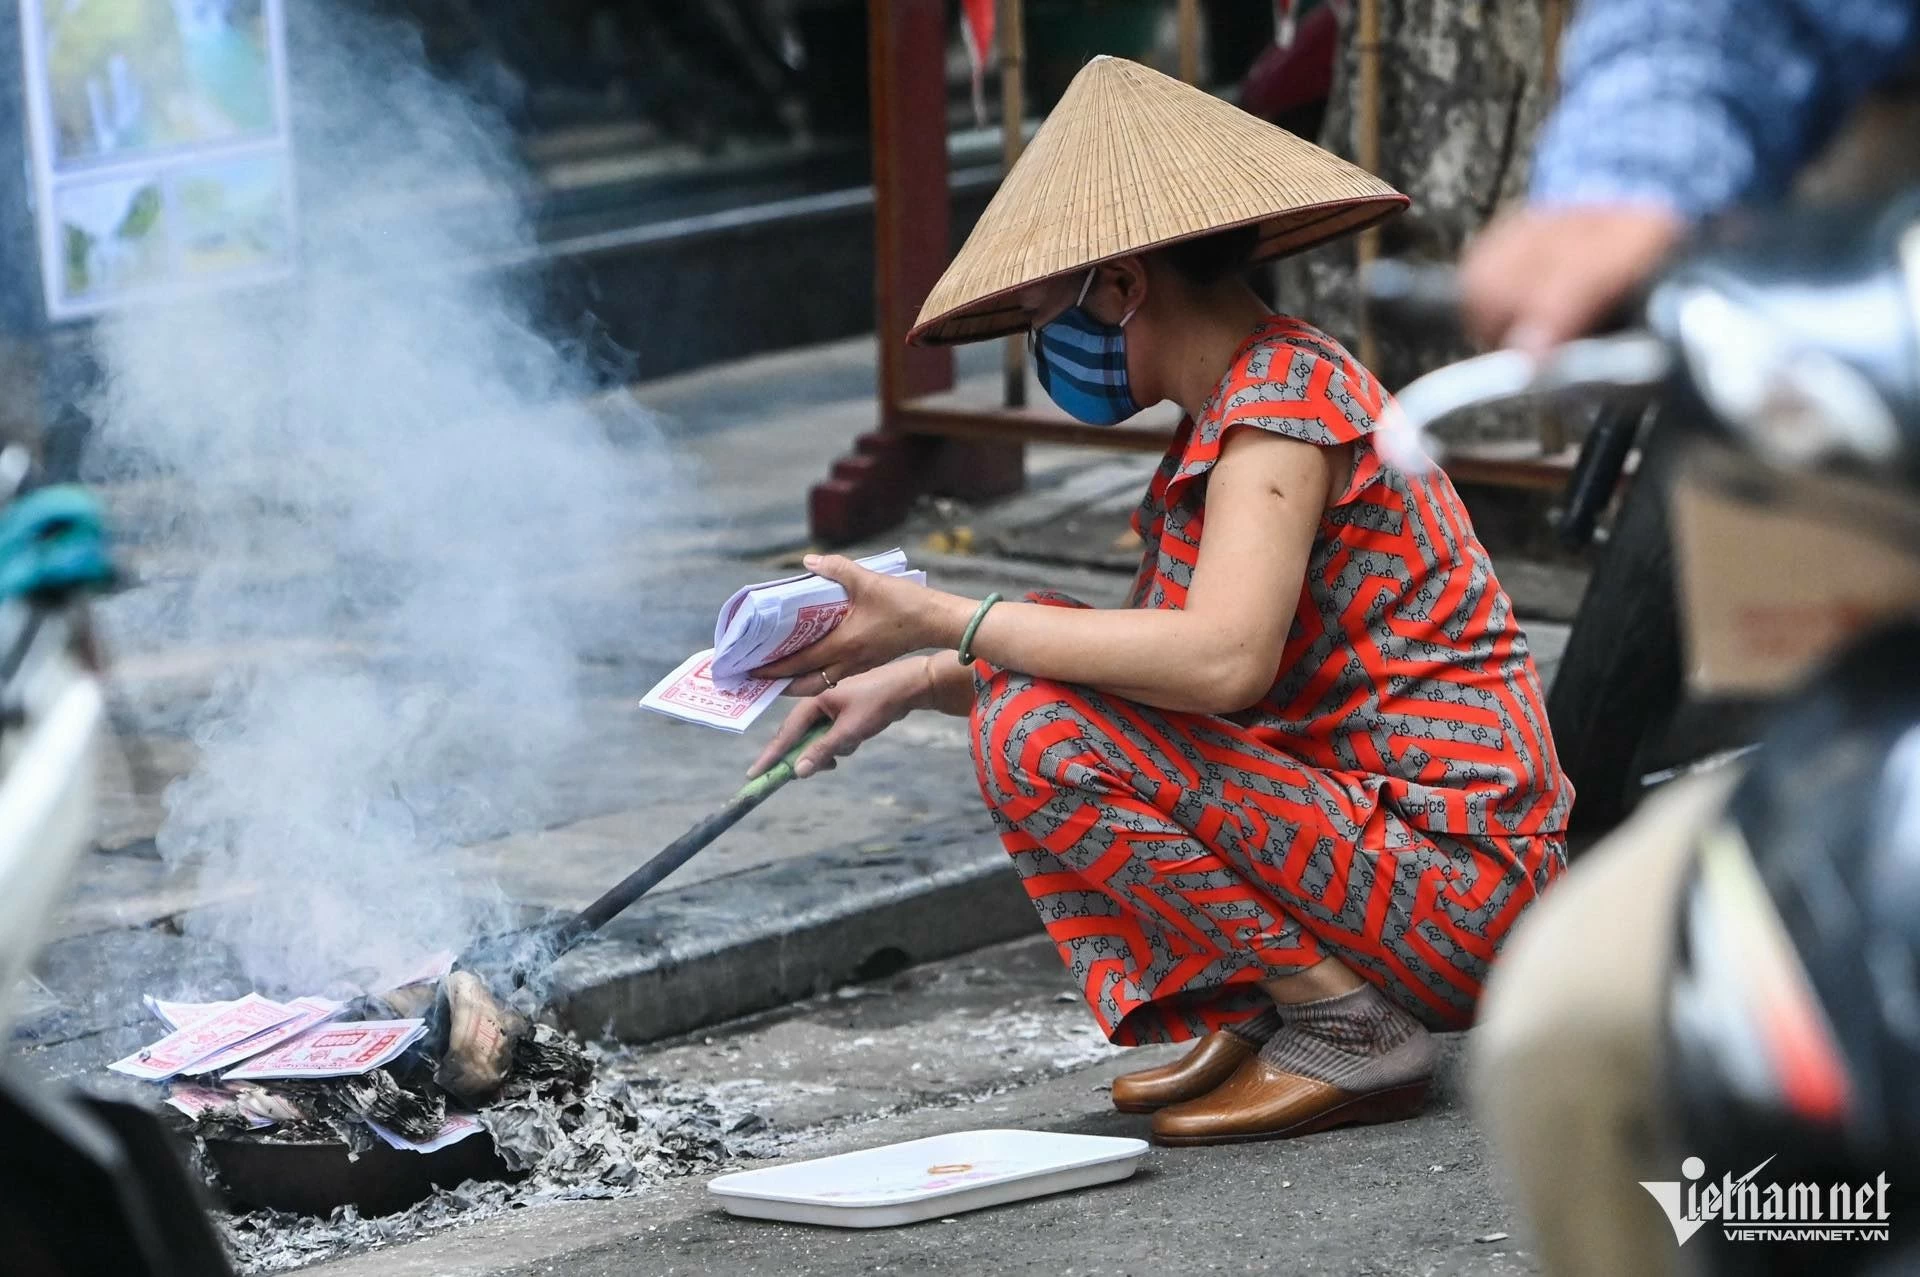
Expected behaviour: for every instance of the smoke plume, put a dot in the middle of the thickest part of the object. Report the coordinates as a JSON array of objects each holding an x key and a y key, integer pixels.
[{"x": 377, "y": 482}]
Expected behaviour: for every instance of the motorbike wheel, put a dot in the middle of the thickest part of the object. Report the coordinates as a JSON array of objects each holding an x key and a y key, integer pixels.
[
  {"x": 1620, "y": 678},
  {"x": 1618, "y": 707}
]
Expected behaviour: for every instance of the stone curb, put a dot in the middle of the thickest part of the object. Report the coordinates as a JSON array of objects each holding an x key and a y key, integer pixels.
[
  {"x": 681, "y": 960},
  {"x": 711, "y": 952}
]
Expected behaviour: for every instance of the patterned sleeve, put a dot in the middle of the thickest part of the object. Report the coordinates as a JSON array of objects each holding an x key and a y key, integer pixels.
[
  {"x": 1301, "y": 384},
  {"x": 1698, "y": 105}
]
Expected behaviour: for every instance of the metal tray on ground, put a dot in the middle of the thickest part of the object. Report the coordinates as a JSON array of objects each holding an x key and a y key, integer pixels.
[{"x": 928, "y": 1178}]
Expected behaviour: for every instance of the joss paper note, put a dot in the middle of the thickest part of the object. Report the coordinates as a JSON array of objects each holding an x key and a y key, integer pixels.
[
  {"x": 176, "y": 1015},
  {"x": 187, "y": 1046},
  {"x": 311, "y": 1011},
  {"x": 335, "y": 1050},
  {"x": 691, "y": 695},
  {"x": 771, "y": 621}
]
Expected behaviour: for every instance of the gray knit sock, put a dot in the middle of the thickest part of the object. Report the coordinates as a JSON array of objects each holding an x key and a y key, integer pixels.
[
  {"x": 1257, "y": 1029},
  {"x": 1358, "y": 1042}
]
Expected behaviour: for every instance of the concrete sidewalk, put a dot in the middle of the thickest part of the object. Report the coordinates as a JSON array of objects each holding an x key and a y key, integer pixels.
[
  {"x": 998, "y": 1039},
  {"x": 888, "y": 860}
]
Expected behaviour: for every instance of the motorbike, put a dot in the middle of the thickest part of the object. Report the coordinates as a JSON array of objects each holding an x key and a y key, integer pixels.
[
  {"x": 1775, "y": 369},
  {"x": 87, "y": 1185},
  {"x": 1622, "y": 708}
]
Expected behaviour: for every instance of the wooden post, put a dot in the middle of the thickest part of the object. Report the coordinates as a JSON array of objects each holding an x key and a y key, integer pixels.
[
  {"x": 1553, "y": 22},
  {"x": 1367, "y": 151},
  {"x": 1013, "y": 139},
  {"x": 874, "y": 487},
  {"x": 1190, "y": 41},
  {"x": 907, "y": 69}
]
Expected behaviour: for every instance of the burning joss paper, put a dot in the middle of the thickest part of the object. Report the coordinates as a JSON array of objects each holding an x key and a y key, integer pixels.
[
  {"x": 202, "y": 1103},
  {"x": 456, "y": 1128},
  {"x": 428, "y": 970},
  {"x": 262, "y": 1106},
  {"x": 336, "y": 1050},
  {"x": 186, "y": 1047}
]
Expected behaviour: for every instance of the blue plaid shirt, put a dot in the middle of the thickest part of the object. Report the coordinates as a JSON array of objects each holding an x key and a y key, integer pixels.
[{"x": 1701, "y": 104}]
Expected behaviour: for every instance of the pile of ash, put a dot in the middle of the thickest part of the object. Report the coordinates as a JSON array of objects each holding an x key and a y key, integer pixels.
[
  {"x": 375, "y": 1127},
  {"x": 402, "y": 1104},
  {"x": 614, "y": 1134}
]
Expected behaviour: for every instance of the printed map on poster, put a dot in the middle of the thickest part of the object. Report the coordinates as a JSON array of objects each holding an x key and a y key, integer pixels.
[{"x": 160, "y": 151}]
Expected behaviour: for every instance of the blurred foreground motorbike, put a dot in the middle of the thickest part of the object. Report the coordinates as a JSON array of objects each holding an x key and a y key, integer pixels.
[
  {"x": 87, "y": 1186},
  {"x": 1619, "y": 703},
  {"x": 1702, "y": 1050}
]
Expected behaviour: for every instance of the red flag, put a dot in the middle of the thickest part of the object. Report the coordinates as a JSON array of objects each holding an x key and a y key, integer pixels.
[{"x": 977, "y": 21}]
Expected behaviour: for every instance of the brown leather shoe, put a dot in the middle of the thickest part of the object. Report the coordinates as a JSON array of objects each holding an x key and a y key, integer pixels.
[
  {"x": 1261, "y": 1102},
  {"x": 1191, "y": 1076}
]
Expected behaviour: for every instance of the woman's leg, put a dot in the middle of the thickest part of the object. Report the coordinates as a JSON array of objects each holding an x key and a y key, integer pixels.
[
  {"x": 1164, "y": 882},
  {"x": 1173, "y": 854},
  {"x": 1329, "y": 979},
  {"x": 1102, "y": 807}
]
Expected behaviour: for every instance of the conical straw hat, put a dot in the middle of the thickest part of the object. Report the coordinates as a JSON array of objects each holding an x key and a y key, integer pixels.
[{"x": 1131, "y": 160}]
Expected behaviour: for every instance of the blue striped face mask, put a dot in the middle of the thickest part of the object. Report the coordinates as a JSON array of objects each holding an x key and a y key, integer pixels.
[{"x": 1082, "y": 363}]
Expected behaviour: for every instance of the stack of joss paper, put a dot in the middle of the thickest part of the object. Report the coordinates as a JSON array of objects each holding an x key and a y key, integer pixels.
[{"x": 759, "y": 625}]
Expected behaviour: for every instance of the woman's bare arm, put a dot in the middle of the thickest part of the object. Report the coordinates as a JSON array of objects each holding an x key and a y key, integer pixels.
[{"x": 1219, "y": 655}]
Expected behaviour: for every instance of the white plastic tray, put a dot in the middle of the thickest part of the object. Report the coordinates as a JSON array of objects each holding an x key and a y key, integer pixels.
[{"x": 927, "y": 1179}]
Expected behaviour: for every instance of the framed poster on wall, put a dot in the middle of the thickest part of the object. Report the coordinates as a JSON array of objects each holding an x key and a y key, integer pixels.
[{"x": 159, "y": 141}]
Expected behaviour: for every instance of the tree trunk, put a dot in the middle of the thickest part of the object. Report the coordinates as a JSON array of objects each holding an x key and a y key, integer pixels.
[{"x": 1462, "y": 93}]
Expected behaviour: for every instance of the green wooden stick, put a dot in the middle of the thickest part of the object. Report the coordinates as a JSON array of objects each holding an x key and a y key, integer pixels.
[{"x": 683, "y": 848}]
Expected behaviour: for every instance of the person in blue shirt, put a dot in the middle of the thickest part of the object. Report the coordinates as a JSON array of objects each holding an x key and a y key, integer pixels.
[
  {"x": 1674, "y": 111},
  {"x": 1671, "y": 111}
]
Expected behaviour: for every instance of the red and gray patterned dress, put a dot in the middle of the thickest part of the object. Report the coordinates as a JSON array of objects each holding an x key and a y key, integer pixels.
[{"x": 1393, "y": 801}]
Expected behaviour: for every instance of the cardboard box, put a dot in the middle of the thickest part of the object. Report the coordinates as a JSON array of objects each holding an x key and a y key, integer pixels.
[{"x": 1776, "y": 571}]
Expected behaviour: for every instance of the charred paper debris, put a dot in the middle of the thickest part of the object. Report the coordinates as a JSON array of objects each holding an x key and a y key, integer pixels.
[
  {"x": 612, "y": 1136},
  {"x": 333, "y": 1095}
]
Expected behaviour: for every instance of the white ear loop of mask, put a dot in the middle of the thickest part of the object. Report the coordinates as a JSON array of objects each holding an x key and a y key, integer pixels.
[{"x": 1087, "y": 287}]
